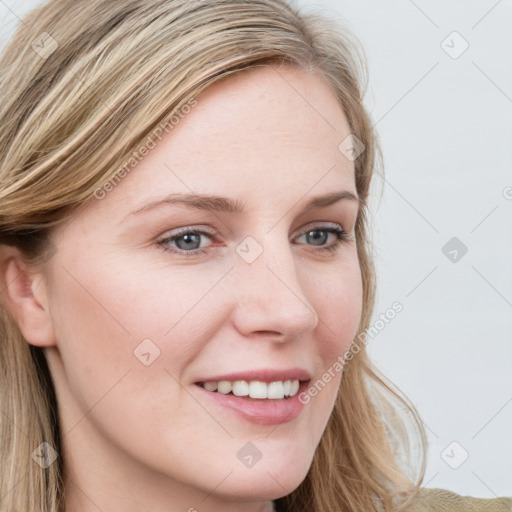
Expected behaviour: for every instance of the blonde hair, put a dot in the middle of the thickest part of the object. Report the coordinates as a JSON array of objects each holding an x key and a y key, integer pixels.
[{"x": 86, "y": 83}]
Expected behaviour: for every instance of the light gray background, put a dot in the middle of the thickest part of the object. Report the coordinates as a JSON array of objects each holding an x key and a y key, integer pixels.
[{"x": 445, "y": 126}]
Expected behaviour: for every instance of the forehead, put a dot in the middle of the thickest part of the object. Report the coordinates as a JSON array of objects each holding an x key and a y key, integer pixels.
[{"x": 268, "y": 130}]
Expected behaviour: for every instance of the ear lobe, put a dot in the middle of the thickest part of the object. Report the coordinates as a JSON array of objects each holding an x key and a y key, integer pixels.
[{"x": 25, "y": 296}]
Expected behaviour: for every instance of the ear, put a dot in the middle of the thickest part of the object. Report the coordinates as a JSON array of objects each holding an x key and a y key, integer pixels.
[{"x": 25, "y": 296}]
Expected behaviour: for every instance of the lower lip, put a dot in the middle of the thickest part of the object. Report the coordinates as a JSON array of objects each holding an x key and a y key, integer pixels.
[{"x": 260, "y": 411}]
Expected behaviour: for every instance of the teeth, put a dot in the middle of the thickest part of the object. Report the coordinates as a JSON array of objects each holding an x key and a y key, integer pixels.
[
  {"x": 275, "y": 390},
  {"x": 210, "y": 386},
  {"x": 255, "y": 388},
  {"x": 258, "y": 389},
  {"x": 224, "y": 387},
  {"x": 240, "y": 388}
]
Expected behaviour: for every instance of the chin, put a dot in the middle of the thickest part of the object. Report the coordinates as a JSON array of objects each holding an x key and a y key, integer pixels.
[{"x": 266, "y": 480}]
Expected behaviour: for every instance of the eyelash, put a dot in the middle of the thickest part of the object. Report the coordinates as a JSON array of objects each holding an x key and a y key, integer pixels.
[{"x": 341, "y": 237}]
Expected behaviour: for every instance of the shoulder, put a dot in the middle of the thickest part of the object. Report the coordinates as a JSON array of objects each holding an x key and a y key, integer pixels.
[{"x": 441, "y": 500}]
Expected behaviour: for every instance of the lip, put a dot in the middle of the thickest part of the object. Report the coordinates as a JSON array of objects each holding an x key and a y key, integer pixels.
[
  {"x": 264, "y": 375},
  {"x": 256, "y": 410}
]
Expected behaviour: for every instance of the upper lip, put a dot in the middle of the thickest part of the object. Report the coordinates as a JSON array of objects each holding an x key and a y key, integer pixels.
[{"x": 264, "y": 375}]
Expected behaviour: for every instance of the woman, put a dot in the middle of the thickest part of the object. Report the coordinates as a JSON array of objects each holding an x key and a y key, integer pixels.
[{"x": 187, "y": 278}]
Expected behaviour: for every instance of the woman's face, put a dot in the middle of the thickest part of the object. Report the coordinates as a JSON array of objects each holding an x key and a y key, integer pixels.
[{"x": 142, "y": 314}]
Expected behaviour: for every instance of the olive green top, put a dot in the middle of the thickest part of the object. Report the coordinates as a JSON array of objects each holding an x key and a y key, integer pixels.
[{"x": 440, "y": 500}]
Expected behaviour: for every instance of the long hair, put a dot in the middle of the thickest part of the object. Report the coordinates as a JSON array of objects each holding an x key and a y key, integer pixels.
[{"x": 84, "y": 85}]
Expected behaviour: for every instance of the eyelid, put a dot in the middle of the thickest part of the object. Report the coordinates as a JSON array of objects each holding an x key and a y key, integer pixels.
[
  {"x": 192, "y": 228},
  {"x": 189, "y": 229},
  {"x": 318, "y": 225}
]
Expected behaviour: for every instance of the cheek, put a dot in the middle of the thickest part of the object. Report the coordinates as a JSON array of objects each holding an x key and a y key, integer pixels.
[
  {"x": 339, "y": 306},
  {"x": 130, "y": 315},
  {"x": 340, "y": 309},
  {"x": 338, "y": 303},
  {"x": 125, "y": 339}
]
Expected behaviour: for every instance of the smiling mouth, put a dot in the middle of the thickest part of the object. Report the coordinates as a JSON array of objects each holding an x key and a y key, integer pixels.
[{"x": 275, "y": 390}]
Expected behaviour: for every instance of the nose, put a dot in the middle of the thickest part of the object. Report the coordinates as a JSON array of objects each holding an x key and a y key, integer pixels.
[{"x": 270, "y": 298}]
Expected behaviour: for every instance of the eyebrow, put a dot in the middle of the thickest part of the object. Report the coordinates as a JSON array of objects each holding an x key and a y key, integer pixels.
[{"x": 225, "y": 204}]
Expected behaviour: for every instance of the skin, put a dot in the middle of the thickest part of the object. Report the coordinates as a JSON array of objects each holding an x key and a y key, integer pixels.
[{"x": 142, "y": 437}]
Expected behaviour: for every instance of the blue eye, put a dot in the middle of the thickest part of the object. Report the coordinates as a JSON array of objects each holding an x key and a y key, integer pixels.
[
  {"x": 187, "y": 241},
  {"x": 340, "y": 234}
]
